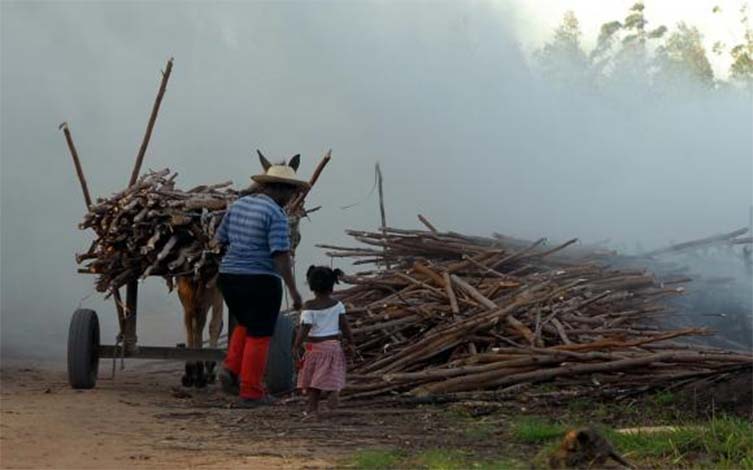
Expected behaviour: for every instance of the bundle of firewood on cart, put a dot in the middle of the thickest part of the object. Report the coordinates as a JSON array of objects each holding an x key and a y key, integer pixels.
[
  {"x": 152, "y": 228},
  {"x": 445, "y": 314}
]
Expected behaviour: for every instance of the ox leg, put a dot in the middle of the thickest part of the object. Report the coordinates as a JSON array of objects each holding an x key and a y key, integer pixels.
[
  {"x": 200, "y": 320},
  {"x": 215, "y": 330},
  {"x": 189, "y": 377}
]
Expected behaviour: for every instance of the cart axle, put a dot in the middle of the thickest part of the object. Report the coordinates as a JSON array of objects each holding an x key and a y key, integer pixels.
[{"x": 159, "y": 352}]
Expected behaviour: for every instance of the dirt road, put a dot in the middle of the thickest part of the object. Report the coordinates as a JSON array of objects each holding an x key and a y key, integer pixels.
[
  {"x": 141, "y": 419},
  {"x": 134, "y": 421}
]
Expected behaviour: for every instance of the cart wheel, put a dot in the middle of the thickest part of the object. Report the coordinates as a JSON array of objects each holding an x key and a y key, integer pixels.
[
  {"x": 83, "y": 345},
  {"x": 280, "y": 367}
]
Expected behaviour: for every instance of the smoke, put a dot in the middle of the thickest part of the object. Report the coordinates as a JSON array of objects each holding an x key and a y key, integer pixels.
[{"x": 440, "y": 94}]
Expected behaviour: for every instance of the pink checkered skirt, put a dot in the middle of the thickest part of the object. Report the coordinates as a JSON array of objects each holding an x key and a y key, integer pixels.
[{"x": 324, "y": 367}]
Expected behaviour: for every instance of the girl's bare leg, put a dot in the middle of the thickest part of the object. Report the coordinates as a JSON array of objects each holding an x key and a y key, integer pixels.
[{"x": 313, "y": 406}]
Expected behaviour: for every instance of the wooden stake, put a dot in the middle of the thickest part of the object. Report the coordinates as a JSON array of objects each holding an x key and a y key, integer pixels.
[
  {"x": 381, "y": 207},
  {"x": 381, "y": 197},
  {"x": 77, "y": 164},
  {"x": 297, "y": 203},
  {"x": 428, "y": 224},
  {"x": 150, "y": 124}
]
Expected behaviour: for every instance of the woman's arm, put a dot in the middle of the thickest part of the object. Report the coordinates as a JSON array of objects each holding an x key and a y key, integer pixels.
[{"x": 284, "y": 267}]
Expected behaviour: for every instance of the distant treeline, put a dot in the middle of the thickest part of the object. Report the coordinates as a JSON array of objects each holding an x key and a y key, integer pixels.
[{"x": 629, "y": 52}]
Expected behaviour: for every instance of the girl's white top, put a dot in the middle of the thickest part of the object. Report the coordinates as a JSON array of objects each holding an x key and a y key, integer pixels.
[{"x": 324, "y": 322}]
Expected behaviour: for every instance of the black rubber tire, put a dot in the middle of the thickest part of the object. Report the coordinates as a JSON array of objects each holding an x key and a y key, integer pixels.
[
  {"x": 280, "y": 375},
  {"x": 83, "y": 349}
]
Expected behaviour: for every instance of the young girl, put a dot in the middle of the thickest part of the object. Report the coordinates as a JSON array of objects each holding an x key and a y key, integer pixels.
[{"x": 323, "y": 322}]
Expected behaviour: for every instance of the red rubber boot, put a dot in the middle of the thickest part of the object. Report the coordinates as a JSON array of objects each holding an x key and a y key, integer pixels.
[
  {"x": 234, "y": 357},
  {"x": 231, "y": 367},
  {"x": 253, "y": 367}
]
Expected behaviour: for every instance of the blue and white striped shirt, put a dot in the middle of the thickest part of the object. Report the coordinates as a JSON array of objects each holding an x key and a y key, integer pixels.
[{"x": 253, "y": 229}]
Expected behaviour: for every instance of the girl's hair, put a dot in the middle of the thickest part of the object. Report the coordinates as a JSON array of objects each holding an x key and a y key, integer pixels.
[{"x": 322, "y": 279}]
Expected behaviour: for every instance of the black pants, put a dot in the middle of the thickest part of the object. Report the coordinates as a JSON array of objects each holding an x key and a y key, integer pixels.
[{"x": 254, "y": 300}]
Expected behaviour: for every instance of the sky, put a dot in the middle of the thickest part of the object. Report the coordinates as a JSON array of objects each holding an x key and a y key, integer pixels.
[{"x": 443, "y": 95}]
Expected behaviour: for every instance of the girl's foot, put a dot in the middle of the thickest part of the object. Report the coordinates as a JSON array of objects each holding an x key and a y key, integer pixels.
[{"x": 310, "y": 416}]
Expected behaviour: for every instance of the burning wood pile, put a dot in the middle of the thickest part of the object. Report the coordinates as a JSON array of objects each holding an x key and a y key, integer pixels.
[
  {"x": 446, "y": 313},
  {"x": 153, "y": 228}
]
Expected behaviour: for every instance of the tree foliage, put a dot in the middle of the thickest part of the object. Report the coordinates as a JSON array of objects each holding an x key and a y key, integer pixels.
[
  {"x": 683, "y": 56},
  {"x": 741, "y": 69},
  {"x": 563, "y": 59},
  {"x": 633, "y": 51}
]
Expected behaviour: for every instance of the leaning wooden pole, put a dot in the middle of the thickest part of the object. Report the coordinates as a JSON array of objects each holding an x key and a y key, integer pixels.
[
  {"x": 150, "y": 124},
  {"x": 381, "y": 197},
  {"x": 381, "y": 209},
  {"x": 700, "y": 242},
  {"x": 297, "y": 203},
  {"x": 77, "y": 164}
]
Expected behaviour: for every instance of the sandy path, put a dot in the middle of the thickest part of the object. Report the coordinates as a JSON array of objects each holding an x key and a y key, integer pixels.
[
  {"x": 141, "y": 419},
  {"x": 127, "y": 422}
]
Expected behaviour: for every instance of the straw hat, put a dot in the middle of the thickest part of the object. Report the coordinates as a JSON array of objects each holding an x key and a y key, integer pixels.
[{"x": 284, "y": 173}]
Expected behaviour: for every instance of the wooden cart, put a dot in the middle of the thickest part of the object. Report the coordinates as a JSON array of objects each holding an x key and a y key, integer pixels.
[
  {"x": 85, "y": 349},
  {"x": 84, "y": 346}
]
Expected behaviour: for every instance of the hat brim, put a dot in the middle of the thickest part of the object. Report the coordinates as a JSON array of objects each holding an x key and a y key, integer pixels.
[{"x": 275, "y": 179}]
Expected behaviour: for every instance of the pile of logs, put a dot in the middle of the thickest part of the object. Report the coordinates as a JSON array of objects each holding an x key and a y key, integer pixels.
[
  {"x": 445, "y": 313},
  {"x": 153, "y": 228}
]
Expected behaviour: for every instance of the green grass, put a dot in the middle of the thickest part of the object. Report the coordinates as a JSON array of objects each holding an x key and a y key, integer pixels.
[
  {"x": 725, "y": 442},
  {"x": 720, "y": 443},
  {"x": 376, "y": 459},
  {"x": 664, "y": 398},
  {"x": 433, "y": 459},
  {"x": 534, "y": 430},
  {"x": 439, "y": 459}
]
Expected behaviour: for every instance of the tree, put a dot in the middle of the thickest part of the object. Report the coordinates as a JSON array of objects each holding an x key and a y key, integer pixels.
[
  {"x": 621, "y": 52},
  {"x": 683, "y": 57},
  {"x": 563, "y": 58},
  {"x": 741, "y": 69},
  {"x": 630, "y": 62},
  {"x": 629, "y": 53}
]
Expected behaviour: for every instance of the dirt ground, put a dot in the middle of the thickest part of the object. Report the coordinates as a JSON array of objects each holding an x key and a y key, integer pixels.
[{"x": 141, "y": 419}]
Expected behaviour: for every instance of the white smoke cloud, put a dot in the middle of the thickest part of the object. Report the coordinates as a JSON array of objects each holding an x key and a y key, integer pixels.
[{"x": 440, "y": 94}]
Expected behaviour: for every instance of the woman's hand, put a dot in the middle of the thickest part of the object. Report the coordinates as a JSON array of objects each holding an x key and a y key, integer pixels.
[
  {"x": 297, "y": 300},
  {"x": 350, "y": 350}
]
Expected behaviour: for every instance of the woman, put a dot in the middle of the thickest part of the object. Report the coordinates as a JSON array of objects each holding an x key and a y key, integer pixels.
[{"x": 255, "y": 234}]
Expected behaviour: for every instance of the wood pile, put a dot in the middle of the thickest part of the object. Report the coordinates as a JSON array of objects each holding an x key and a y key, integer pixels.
[
  {"x": 153, "y": 228},
  {"x": 443, "y": 313}
]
